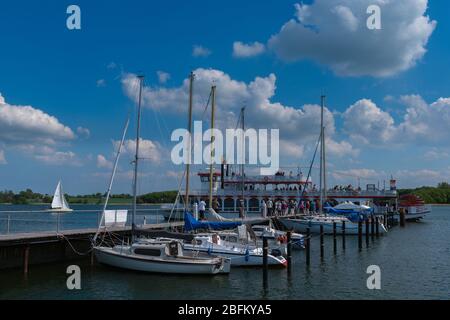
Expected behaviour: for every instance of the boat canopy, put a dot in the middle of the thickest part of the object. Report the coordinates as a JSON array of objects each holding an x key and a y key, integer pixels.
[{"x": 192, "y": 224}]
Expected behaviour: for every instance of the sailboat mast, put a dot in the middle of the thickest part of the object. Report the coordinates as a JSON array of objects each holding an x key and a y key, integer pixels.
[
  {"x": 213, "y": 138},
  {"x": 188, "y": 164},
  {"x": 243, "y": 158},
  {"x": 136, "y": 160},
  {"x": 322, "y": 157},
  {"x": 111, "y": 181},
  {"x": 325, "y": 196}
]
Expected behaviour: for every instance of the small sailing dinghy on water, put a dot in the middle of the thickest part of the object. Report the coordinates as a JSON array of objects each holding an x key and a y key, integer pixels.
[
  {"x": 59, "y": 203},
  {"x": 155, "y": 256}
]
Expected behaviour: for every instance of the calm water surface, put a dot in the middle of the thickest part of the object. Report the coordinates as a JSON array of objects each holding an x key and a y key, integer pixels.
[{"x": 415, "y": 264}]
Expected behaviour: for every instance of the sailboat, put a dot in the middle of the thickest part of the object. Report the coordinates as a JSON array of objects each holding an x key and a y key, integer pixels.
[
  {"x": 59, "y": 203},
  {"x": 315, "y": 223},
  {"x": 155, "y": 256}
]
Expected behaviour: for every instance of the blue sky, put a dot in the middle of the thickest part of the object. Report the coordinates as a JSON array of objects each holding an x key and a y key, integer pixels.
[{"x": 77, "y": 78}]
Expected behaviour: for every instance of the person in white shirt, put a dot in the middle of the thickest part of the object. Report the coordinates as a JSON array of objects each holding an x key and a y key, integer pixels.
[
  {"x": 264, "y": 208},
  {"x": 202, "y": 209},
  {"x": 270, "y": 207}
]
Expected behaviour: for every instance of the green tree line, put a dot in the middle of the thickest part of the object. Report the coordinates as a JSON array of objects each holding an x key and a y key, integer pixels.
[
  {"x": 431, "y": 195},
  {"x": 30, "y": 197}
]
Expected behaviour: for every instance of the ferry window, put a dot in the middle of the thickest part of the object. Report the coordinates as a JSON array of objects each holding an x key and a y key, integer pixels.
[{"x": 148, "y": 252}]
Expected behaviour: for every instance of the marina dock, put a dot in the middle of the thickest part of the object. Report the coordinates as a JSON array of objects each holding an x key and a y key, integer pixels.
[{"x": 25, "y": 249}]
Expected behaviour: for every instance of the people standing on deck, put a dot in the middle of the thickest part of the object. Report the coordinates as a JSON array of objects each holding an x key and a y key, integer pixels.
[
  {"x": 241, "y": 208},
  {"x": 308, "y": 207},
  {"x": 270, "y": 207},
  {"x": 202, "y": 209},
  {"x": 216, "y": 205},
  {"x": 283, "y": 208},
  {"x": 264, "y": 208},
  {"x": 302, "y": 207},
  {"x": 313, "y": 207}
]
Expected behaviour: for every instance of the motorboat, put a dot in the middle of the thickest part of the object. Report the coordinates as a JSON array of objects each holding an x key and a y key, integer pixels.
[
  {"x": 313, "y": 223},
  {"x": 279, "y": 236},
  {"x": 240, "y": 255}
]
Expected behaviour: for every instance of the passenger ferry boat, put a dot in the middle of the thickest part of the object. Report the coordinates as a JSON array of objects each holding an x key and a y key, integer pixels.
[
  {"x": 414, "y": 207},
  {"x": 229, "y": 188}
]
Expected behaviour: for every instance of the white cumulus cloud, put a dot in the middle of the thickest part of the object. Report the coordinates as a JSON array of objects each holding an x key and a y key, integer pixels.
[
  {"x": 298, "y": 125},
  {"x": 242, "y": 50},
  {"x": 103, "y": 163},
  {"x": 163, "y": 77},
  {"x": 334, "y": 33},
  {"x": 83, "y": 132},
  {"x": 427, "y": 124},
  {"x": 200, "y": 51},
  {"x": 28, "y": 125},
  {"x": 149, "y": 151}
]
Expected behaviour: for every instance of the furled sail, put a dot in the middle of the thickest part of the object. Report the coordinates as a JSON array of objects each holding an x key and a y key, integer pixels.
[{"x": 191, "y": 224}]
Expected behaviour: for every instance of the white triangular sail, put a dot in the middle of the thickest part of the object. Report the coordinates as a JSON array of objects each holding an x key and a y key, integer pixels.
[{"x": 59, "y": 201}]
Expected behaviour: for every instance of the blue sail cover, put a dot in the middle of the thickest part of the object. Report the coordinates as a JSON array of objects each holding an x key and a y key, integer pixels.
[
  {"x": 191, "y": 224},
  {"x": 352, "y": 215}
]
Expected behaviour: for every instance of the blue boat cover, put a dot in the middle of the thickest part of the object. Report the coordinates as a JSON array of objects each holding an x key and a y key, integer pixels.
[
  {"x": 352, "y": 215},
  {"x": 192, "y": 224}
]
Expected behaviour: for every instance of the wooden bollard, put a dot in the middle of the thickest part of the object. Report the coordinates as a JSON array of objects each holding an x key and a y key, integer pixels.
[
  {"x": 360, "y": 231},
  {"x": 343, "y": 235},
  {"x": 367, "y": 232},
  {"x": 308, "y": 246},
  {"x": 26, "y": 258},
  {"x": 265, "y": 260},
  {"x": 377, "y": 226},
  {"x": 335, "y": 237},
  {"x": 322, "y": 245},
  {"x": 402, "y": 218},
  {"x": 289, "y": 248}
]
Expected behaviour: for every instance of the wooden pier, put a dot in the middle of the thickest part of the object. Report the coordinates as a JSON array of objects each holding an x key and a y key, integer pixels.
[{"x": 26, "y": 249}]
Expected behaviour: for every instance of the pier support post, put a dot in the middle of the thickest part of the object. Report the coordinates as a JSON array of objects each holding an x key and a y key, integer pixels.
[
  {"x": 265, "y": 261},
  {"x": 322, "y": 245},
  {"x": 367, "y": 232},
  {"x": 57, "y": 223},
  {"x": 343, "y": 235},
  {"x": 335, "y": 237},
  {"x": 402, "y": 218},
  {"x": 308, "y": 247},
  {"x": 289, "y": 249},
  {"x": 360, "y": 231},
  {"x": 26, "y": 258}
]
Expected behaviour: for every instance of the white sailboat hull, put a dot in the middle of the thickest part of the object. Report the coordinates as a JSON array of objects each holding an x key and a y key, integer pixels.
[
  {"x": 61, "y": 210},
  {"x": 127, "y": 261},
  {"x": 239, "y": 259},
  {"x": 301, "y": 226}
]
